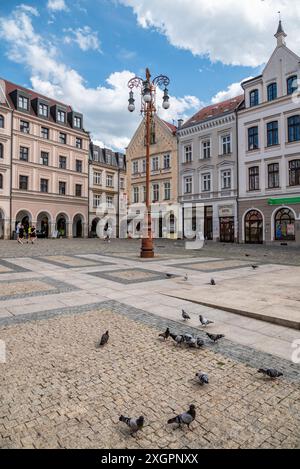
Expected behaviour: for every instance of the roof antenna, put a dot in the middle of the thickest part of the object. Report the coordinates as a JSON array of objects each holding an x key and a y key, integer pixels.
[{"x": 279, "y": 13}]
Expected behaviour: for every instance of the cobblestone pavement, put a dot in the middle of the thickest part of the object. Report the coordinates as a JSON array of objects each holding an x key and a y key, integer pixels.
[{"x": 59, "y": 391}]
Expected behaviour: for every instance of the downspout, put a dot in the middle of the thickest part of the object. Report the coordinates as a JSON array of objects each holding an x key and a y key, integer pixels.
[
  {"x": 11, "y": 177},
  {"x": 237, "y": 177},
  {"x": 118, "y": 213}
]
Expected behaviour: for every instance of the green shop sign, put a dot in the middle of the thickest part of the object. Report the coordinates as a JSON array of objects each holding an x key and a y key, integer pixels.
[{"x": 289, "y": 201}]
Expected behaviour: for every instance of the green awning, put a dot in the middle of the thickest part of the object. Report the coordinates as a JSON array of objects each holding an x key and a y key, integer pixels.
[{"x": 286, "y": 201}]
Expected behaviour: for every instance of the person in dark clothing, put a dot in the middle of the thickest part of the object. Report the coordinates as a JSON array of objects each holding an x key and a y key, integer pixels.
[
  {"x": 21, "y": 234},
  {"x": 32, "y": 235}
]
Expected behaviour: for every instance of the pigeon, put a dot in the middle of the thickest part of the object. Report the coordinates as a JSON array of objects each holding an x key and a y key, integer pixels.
[
  {"x": 247, "y": 255},
  {"x": 179, "y": 339},
  {"x": 254, "y": 267},
  {"x": 170, "y": 275},
  {"x": 202, "y": 378},
  {"x": 186, "y": 277},
  {"x": 204, "y": 321},
  {"x": 133, "y": 424},
  {"x": 271, "y": 372},
  {"x": 212, "y": 282},
  {"x": 187, "y": 337},
  {"x": 200, "y": 342},
  {"x": 186, "y": 418},
  {"x": 165, "y": 334},
  {"x": 104, "y": 339},
  {"x": 185, "y": 315},
  {"x": 215, "y": 337}
]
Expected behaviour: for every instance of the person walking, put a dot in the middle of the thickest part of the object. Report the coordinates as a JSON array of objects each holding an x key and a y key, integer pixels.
[
  {"x": 21, "y": 234},
  {"x": 28, "y": 237},
  {"x": 18, "y": 230},
  {"x": 108, "y": 233},
  {"x": 32, "y": 235}
]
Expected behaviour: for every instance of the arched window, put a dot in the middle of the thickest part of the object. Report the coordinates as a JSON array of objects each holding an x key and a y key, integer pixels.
[
  {"x": 1, "y": 122},
  {"x": 292, "y": 84},
  {"x": 285, "y": 225},
  {"x": 1, "y": 150},
  {"x": 294, "y": 128},
  {"x": 272, "y": 91},
  {"x": 294, "y": 173},
  {"x": 254, "y": 98},
  {"x": 254, "y": 227},
  {"x": 1, "y": 181}
]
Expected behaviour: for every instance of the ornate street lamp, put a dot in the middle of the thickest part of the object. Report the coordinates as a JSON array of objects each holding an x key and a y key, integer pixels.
[{"x": 148, "y": 109}]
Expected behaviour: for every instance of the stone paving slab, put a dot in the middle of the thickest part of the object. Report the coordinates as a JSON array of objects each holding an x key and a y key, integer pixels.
[
  {"x": 71, "y": 262},
  {"x": 23, "y": 288},
  {"x": 10, "y": 267},
  {"x": 59, "y": 391},
  {"x": 130, "y": 276}
]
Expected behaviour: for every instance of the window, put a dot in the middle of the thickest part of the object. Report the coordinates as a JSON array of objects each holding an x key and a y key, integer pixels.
[
  {"x": 63, "y": 162},
  {"x": 61, "y": 117},
  {"x": 109, "y": 180},
  {"x": 144, "y": 194},
  {"x": 226, "y": 144},
  {"x": 294, "y": 128},
  {"x": 78, "y": 190},
  {"x": 167, "y": 161},
  {"x": 24, "y": 127},
  {"x": 292, "y": 84},
  {"x": 1, "y": 181},
  {"x": 285, "y": 225},
  {"x": 253, "y": 138},
  {"x": 272, "y": 134},
  {"x": 62, "y": 138},
  {"x": 254, "y": 98},
  {"x": 155, "y": 192},
  {"x": 135, "y": 167},
  {"x": 188, "y": 185},
  {"x": 1, "y": 122},
  {"x": 43, "y": 110},
  {"x": 44, "y": 158},
  {"x": 273, "y": 175},
  {"x": 135, "y": 195},
  {"x": 122, "y": 183},
  {"x": 77, "y": 122},
  {"x": 167, "y": 190},
  {"x": 1, "y": 150},
  {"x": 294, "y": 173},
  {"x": 23, "y": 103},
  {"x": 206, "y": 149},
  {"x": 155, "y": 163},
  {"x": 45, "y": 133},
  {"x": 109, "y": 201},
  {"x": 23, "y": 183},
  {"x": 272, "y": 91},
  {"x": 62, "y": 188},
  {"x": 254, "y": 178},
  {"x": 24, "y": 152},
  {"x": 205, "y": 183},
  {"x": 79, "y": 143},
  {"x": 79, "y": 166},
  {"x": 96, "y": 200},
  {"x": 44, "y": 185},
  {"x": 97, "y": 179},
  {"x": 226, "y": 179},
  {"x": 188, "y": 155},
  {"x": 144, "y": 166}
]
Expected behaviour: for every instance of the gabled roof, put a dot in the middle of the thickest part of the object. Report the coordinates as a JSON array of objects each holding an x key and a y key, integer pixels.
[
  {"x": 214, "y": 110},
  {"x": 172, "y": 127}
]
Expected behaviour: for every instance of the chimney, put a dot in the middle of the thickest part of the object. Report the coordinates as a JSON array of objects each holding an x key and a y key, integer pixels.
[{"x": 180, "y": 122}]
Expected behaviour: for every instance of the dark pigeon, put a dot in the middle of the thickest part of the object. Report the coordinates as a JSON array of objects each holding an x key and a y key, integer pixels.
[
  {"x": 133, "y": 424},
  {"x": 212, "y": 282},
  {"x": 179, "y": 339},
  {"x": 185, "y": 315},
  {"x": 186, "y": 418},
  {"x": 202, "y": 378},
  {"x": 104, "y": 339},
  {"x": 215, "y": 337},
  {"x": 165, "y": 334},
  {"x": 271, "y": 372},
  {"x": 254, "y": 267}
]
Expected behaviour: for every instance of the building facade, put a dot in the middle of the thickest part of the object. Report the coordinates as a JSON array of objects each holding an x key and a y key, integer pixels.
[
  {"x": 269, "y": 151},
  {"x": 107, "y": 187},
  {"x": 46, "y": 149},
  {"x": 207, "y": 154},
  {"x": 5, "y": 163},
  {"x": 163, "y": 175}
]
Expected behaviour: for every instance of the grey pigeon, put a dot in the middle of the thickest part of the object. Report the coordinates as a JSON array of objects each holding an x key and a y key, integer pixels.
[
  {"x": 104, "y": 339},
  {"x": 185, "y": 315},
  {"x": 165, "y": 334},
  {"x": 200, "y": 342},
  {"x": 204, "y": 321},
  {"x": 179, "y": 339},
  {"x": 215, "y": 337},
  {"x": 186, "y": 418},
  {"x": 187, "y": 337},
  {"x": 212, "y": 282},
  {"x": 271, "y": 372},
  {"x": 202, "y": 378},
  {"x": 133, "y": 424},
  {"x": 186, "y": 277},
  {"x": 170, "y": 275},
  {"x": 254, "y": 267}
]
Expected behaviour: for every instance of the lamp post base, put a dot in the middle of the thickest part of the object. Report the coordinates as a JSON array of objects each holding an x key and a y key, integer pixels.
[{"x": 147, "y": 251}]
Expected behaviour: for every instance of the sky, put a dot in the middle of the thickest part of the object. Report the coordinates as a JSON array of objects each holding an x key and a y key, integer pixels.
[{"x": 84, "y": 52}]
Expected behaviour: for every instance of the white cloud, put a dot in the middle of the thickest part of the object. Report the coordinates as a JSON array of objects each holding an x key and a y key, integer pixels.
[
  {"x": 233, "y": 90},
  {"x": 56, "y": 5},
  {"x": 234, "y": 32},
  {"x": 84, "y": 37},
  {"x": 28, "y": 9},
  {"x": 104, "y": 108}
]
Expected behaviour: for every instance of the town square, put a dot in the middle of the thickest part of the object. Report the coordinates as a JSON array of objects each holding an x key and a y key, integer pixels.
[{"x": 149, "y": 227}]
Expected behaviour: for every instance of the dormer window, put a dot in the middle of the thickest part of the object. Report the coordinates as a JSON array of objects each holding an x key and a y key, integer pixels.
[
  {"x": 77, "y": 122},
  {"x": 254, "y": 98},
  {"x": 272, "y": 91},
  {"x": 23, "y": 103},
  {"x": 292, "y": 84},
  {"x": 61, "y": 117},
  {"x": 43, "y": 110}
]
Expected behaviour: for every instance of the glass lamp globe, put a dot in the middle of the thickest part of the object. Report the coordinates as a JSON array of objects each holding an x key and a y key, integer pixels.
[
  {"x": 166, "y": 104},
  {"x": 131, "y": 107}
]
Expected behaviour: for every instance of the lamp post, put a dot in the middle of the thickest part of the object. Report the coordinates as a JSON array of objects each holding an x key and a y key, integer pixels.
[{"x": 147, "y": 89}]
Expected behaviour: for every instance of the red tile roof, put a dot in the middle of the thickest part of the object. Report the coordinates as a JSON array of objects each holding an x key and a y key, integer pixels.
[
  {"x": 172, "y": 127},
  {"x": 215, "y": 110}
]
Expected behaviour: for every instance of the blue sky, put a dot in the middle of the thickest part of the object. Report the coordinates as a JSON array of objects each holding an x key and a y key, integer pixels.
[{"x": 92, "y": 41}]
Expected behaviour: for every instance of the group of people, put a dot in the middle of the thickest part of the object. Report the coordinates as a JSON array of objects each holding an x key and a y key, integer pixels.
[{"x": 25, "y": 233}]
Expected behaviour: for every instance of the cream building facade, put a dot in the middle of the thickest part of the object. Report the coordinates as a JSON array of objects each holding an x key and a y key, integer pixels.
[
  {"x": 5, "y": 164},
  {"x": 163, "y": 176}
]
